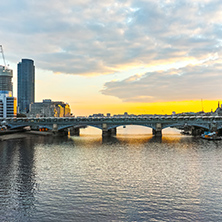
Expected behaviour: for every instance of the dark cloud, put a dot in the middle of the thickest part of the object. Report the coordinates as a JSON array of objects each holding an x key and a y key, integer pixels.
[
  {"x": 189, "y": 83},
  {"x": 99, "y": 37}
]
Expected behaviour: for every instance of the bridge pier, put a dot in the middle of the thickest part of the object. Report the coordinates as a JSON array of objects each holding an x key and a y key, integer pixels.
[
  {"x": 56, "y": 132},
  {"x": 158, "y": 130},
  {"x": 108, "y": 132},
  {"x": 54, "y": 129},
  {"x": 74, "y": 131},
  {"x": 213, "y": 127},
  {"x": 113, "y": 131},
  {"x": 196, "y": 131}
]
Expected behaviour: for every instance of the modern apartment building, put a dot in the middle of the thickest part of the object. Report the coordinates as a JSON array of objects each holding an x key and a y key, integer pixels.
[
  {"x": 26, "y": 85},
  {"x": 7, "y": 101}
]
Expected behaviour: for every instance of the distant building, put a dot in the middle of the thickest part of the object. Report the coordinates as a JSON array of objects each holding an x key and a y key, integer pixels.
[
  {"x": 26, "y": 85},
  {"x": 7, "y": 101},
  {"x": 218, "y": 111},
  {"x": 97, "y": 115},
  {"x": 49, "y": 108}
]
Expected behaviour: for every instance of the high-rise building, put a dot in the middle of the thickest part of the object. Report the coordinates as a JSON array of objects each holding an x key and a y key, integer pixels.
[
  {"x": 7, "y": 101},
  {"x": 26, "y": 85}
]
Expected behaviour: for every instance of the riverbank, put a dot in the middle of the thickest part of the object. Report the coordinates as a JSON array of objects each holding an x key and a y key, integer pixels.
[
  {"x": 9, "y": 135},
  {"x": 5, "y": 132},
  {"x": 41, "y": 133},
  {"x": 12, "y": 136}
]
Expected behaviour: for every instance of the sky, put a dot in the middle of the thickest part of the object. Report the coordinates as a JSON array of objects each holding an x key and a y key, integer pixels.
[{"x": 116, "y": 56}]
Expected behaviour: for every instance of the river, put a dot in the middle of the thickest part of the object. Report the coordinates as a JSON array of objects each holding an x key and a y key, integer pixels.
[{"x": 124, "y": 178}]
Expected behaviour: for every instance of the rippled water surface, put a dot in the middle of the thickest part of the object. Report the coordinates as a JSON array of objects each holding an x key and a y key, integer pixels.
[{"x": 127, "y": 178}]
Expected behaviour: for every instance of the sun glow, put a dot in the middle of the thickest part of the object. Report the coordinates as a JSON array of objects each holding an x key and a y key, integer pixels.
[{"x": 161, "y": 108}]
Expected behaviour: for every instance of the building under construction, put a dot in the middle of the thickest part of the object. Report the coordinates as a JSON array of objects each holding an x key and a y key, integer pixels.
[{"x": 7, "y": 101}]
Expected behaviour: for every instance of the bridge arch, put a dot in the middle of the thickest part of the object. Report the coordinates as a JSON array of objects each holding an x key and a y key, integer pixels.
[
  {"x": 78, "y": 126},
  {"x": 17, "y": 126},
  {"x": 132, "y": 129},
  {"x": 129, "y": 124},
  {"x": 91, "y": 130},
  {"x": 171, "y": 130},
  {"x": 175, "y": 125}
]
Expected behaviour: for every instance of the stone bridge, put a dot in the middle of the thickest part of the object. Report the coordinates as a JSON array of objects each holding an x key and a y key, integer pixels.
[{"x": 108, "y": 125}]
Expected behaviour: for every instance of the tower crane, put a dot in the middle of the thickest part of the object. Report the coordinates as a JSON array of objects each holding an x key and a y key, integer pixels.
[{"x": 3, "y": 57}]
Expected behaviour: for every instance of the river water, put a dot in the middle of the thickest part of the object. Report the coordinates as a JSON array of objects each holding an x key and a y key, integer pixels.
[{"x": 125, "y": 178}]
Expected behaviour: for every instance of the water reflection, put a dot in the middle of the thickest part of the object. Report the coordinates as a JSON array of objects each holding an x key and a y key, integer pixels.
[
  {"x": 51, "y": 140},
  {"x": 156, "y": 139},
  {"x": 109, "y": 140},
  {"x": 123, "y": 178},
  {"x": 17, "y": 179},
  {"x": 18, "y": 184}
]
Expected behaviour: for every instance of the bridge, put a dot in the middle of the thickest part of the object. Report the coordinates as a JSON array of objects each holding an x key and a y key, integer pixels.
[{"x": 108, "y": 125}]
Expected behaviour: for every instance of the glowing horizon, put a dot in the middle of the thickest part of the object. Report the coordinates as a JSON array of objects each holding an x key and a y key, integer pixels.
[{"x": 149, "y": 108}]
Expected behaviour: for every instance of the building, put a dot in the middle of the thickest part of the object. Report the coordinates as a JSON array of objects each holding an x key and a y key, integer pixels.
[
  {"x": 7, "y": 101},
  {"x": 26, "y": 85},
  {"x": 97, "y": 115},
  {"x": 49, "y": 108},
  {"x": 218, "y": 111}
]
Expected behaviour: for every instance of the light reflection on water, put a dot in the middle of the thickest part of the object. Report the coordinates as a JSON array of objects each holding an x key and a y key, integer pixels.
[{"x": 124, "y": 178}]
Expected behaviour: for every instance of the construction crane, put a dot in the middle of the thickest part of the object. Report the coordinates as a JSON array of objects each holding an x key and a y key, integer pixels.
[{"x": 3, "y": 57}]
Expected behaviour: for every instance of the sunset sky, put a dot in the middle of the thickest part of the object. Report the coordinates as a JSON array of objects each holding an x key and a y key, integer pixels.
[{"x": 115, "y": 56}]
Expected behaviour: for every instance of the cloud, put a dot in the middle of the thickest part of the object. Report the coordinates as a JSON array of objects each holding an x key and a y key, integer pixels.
[
  {"x": 187, "y": 83},
  {"x": 92, "y": 37}
]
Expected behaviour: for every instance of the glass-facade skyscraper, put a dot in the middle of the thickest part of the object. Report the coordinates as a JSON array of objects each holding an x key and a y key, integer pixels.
[{"x": 26, "y": 85}]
